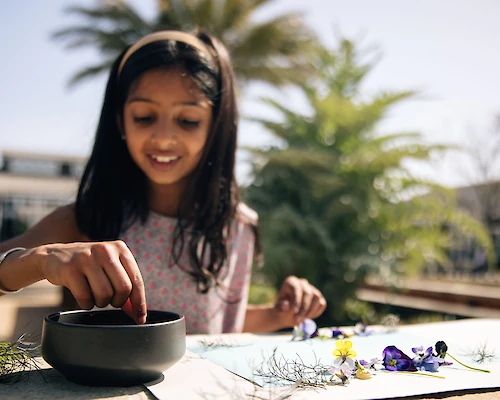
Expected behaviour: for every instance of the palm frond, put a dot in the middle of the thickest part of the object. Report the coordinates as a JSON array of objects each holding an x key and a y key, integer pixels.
[
  {"x": 115, "y": 41},
  {"x": 90, "y": 72},
  {"x": 270, "y": 51}
]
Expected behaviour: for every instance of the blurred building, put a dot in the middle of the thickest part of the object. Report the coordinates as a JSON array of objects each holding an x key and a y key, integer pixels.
[{"x": 32, "y": 185}]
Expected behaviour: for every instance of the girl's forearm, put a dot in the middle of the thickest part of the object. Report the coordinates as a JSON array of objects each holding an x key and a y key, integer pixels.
[
  {"x": 20, "y": 269},
  {"x": 261, "y": 319}
]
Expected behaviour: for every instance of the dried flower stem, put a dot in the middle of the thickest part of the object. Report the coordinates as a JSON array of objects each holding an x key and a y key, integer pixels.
[
  {"x": 412, "y": 373},
  {"x": 218, "y": 343},
  {"x": 293, "y": 372},
  {"x": 466, "y": 366}
]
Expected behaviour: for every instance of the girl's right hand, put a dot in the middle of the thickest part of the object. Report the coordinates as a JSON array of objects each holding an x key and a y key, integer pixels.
[{"x": 97, "y": 274}]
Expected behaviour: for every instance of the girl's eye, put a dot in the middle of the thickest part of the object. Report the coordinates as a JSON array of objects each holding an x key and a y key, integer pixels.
[
  {"x": 144, "y": 120},
  {"x": 189, "y": 123}
]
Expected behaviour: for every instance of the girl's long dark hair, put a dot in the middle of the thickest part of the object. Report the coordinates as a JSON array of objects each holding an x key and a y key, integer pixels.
[{"x": 112, "y": 192}]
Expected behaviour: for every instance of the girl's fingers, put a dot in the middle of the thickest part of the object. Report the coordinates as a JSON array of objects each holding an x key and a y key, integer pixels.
[
  {"x": 318, "y": 305},
  {"x": 116, "y": 277},
  {"x": 98, "y": 273},
  {"x": 137, "y": 294},
  {"x": 120, "y": 281},
  {"x": 313, "y": 307},
  {"x": 292, "y": 290},
  {"x": 305, "y": 305},
  {"x": 322, "y": 306},
  {"x": 80, "y": 289},
  {"x": 127, "y": 309},
  {"x": 101, "y": 287},
  {"x": 302, "y": 299}
]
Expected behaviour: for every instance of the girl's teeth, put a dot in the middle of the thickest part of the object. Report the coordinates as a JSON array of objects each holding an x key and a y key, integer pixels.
[{"x": 165, "y": 159}]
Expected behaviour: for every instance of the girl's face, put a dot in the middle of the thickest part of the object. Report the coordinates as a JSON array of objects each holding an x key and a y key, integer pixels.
[{"x": 166, "y": 124}]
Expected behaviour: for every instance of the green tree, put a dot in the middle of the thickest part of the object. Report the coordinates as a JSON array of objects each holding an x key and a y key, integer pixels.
[
  {"x": 272, "y": 50},
  {"x": 337, "y": 202}
]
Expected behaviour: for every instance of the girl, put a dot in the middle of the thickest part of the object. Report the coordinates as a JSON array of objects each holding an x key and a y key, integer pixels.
[{"x": 157, "y": 210}]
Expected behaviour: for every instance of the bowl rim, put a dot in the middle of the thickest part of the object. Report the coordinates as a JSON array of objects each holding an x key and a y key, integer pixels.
[{"x": 48, "y": 320}]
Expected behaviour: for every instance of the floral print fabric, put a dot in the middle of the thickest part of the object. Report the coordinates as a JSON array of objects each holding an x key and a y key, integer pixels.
[{"x": 169, "y": 287}]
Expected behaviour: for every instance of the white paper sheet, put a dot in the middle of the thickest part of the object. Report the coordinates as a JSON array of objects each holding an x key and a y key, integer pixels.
[{"x": 209, "y": 377}]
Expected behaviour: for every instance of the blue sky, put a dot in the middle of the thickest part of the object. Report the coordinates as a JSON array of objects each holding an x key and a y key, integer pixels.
[{"x": 446, "y": 49}]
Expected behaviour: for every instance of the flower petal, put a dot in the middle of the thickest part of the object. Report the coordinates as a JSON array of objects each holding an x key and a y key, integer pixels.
[
  {"x": 338, "y": 362},
  {"x": 308, "y": 326},
  {"x": 363, "y": 374},
  {"x": 396, "y": 360},
  {"x": 347, "y": 345},
  {"x": 350, "y": 362}
]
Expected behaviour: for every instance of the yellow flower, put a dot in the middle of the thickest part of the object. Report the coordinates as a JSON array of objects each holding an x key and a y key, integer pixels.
[{"x": 343, "y": 349}]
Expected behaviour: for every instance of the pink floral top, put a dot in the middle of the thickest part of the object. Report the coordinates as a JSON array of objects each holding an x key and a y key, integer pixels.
[{"x": 170, "y": 287}]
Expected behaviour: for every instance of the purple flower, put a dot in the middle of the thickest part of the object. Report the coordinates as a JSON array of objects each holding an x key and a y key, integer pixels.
[
  {"x": 372, "y": 364},
  {"x": 337, "y": 333},
  {"x": 441, "y": 349},
  {"x": 308, "y": 327},
  {"x": 421, "y": 355},
  {"x": 305, "y": 330},
  {"x": 362, "y": 330},
  {"x": 395, "y": 360},
  {"x": 425, "y": 360}
]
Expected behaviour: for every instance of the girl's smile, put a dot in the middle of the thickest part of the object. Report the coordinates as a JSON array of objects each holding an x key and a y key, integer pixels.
[{"x": 164, "y": 162}]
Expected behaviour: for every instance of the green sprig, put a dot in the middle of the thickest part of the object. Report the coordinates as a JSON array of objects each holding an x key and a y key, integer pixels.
[{"x": 16, "y": 358}]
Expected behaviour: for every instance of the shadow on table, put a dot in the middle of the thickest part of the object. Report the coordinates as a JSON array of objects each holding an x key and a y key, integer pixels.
[
  {"x": 49, "y": 384},
  {"x": 464, "y": 394}
]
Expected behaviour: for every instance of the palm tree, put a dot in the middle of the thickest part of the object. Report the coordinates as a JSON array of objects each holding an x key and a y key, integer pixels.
[
  {"x": 272, "y": 51},
  {"x": 337, "y": 202}
]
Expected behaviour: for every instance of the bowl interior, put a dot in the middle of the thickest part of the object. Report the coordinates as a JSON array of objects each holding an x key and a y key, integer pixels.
[{"x": 111, "y": 318}]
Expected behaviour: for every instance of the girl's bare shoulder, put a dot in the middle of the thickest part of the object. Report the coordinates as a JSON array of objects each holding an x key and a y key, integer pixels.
[
  {"x": 64, "y": 225},
  {"x": 57, "y": 227}
]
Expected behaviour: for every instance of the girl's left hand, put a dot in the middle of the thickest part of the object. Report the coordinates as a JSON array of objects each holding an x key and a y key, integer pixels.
[{"x": 298, "y": 300}]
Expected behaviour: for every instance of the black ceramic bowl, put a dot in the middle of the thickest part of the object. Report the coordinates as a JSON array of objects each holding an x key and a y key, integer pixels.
[{"x": 107, "y": 348}]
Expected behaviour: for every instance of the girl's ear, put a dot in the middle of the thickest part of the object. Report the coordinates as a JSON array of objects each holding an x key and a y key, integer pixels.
[{"x": 119, "y": 124}]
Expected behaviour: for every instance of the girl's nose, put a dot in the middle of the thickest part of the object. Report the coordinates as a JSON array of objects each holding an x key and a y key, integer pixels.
[{"x": 164, "y": 132}]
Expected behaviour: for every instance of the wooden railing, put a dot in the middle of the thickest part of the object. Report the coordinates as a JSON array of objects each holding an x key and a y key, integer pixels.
[{"x": 461, "y": 297}]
